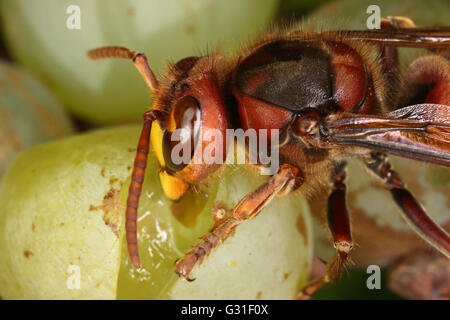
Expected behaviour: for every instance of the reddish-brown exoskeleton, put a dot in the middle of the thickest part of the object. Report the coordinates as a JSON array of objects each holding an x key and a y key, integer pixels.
[{"x": 333, "y": 95}]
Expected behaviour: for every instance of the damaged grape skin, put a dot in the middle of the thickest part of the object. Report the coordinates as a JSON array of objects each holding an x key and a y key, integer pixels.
[{"x": 62, "y": 205}]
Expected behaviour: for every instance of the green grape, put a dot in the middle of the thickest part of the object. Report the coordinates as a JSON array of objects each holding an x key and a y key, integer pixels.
[
  {"x": 29, "y": 114},
  {"x": 52, "y": 219},
  {"x": 62, "y": 206},
  {"x": 112, "y": 91}
]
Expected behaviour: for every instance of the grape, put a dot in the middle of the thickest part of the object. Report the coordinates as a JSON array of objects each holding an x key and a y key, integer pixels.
[
  {"x": 29, "y": 114},
  {"x": 62, "y": 206},
  {"x": 52, "y": 222},
  {"x": 112, "y": 91}
]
